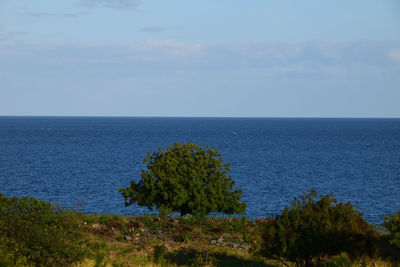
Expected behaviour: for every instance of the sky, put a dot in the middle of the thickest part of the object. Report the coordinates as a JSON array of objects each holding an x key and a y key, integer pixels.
[{"x": 219, "y": 58}]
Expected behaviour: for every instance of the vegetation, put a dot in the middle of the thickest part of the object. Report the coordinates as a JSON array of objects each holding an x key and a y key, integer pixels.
[
  {"x": 188, "y": 179},
  {"x": 149, "y": 240},
  {"x": 392, "y": 224},
  {"x": 315, "y": 227},
  {"x": 34, "y": 232},
  {"x": 152, "y": 240},
  {"x": 190, "y": 241}
]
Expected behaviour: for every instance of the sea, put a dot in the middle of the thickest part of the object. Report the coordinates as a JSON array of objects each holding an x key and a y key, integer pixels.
[{"x": 82, "y": 162}]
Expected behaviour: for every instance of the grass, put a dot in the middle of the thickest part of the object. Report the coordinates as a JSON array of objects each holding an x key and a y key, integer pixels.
[
  {"x": 113, "y": 240},
  {"x": 155, "y": 241},
  {"x": 36, "y": 233}
]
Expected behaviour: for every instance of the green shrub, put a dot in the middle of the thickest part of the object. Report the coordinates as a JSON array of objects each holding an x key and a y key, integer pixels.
[
  {"x": 314, "y": 227},
  {"x": 392, "y": 224},
  {"x": 37, "y": 233},
  {"x": 152, "y": 222},
  {"x": 89, "y": 218},
  {"x": 98, "y": 246},
  {"x": 187, "y": 179},
  {"x": 159, "y": 253},
  {"x": 122, "y": 228},
  {"x": 342, "y": 260},
  {"x": 204, "y": 258},
  {"x": 5, "y": 260},
  {"x": 98, "y": 252},
  {"x": 104, "y": 219},
  {"x": 234, "y": 225}
]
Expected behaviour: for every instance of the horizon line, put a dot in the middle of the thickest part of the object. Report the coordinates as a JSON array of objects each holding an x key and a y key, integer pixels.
[{"x": 194, "y": 117}]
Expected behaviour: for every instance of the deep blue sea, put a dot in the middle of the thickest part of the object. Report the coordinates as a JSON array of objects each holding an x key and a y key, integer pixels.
[{"x": 81, "y": 162}]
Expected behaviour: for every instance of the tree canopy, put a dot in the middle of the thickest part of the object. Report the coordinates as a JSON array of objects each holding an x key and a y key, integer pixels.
[
  {"x": 37, "y": 233},
  {"x": 392, "y": 223},
  {"x": 188, "y": 179},
  {"x": 314, "y": 226}
]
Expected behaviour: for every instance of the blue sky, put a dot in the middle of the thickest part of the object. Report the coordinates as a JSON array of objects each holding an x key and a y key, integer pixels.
[{"x": 235, "y": 58}]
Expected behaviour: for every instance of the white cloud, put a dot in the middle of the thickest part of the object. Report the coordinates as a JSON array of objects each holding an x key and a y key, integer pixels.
[
  {"x": 151, "y": 44},
  {"x": 395, "y": 54},
  {"x": 7, "y": 36},
  {"x": 153, "y": 28},
  {"x": 166, "y": 73},
  {"x": 2, "y": 36},
  {"x": 47, "y": 14},
  {"x": 39, "y": 14},
  {"x": 116, "y": 4},
  {"x": 276, "y": 59},
  {"x": 150, "y": 51}
]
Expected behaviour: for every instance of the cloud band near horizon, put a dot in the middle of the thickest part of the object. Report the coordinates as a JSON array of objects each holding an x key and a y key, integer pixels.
[{"x": 164, "y": 77}]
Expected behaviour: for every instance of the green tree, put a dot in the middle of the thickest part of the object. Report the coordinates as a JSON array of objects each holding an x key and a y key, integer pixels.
[
  {"x": 392, "y": 223},
  {"x": 34, "y": 232},
  {"x": 314, "y": 227},
  {"x": 188, "y": 179}
]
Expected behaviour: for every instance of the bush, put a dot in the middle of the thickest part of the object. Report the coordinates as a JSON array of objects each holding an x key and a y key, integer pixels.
[
  {"x": 314, "y": 227},
  {"x": 187, "y": 179},
  {"x": 159, "y": 253},
  {"x": 34, "y": 232},
  {"x": 110, "y": 218},
  {"x": 342, "y": 260},
  {"x": 392, "y": 224}
]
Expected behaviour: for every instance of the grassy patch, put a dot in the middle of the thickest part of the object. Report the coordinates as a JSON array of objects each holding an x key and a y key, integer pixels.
[{"x": 113, "y": 240}]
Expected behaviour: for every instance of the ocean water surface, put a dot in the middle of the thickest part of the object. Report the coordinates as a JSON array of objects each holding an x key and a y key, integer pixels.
[{"x": 81, "y": 162}]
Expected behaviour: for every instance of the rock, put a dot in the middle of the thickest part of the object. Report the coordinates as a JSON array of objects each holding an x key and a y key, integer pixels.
[
  {"x": 127, "y": 238},
  {"x": 96, "y": 225},
  {"x": 245, "y": 246},
  {"x": 219, "y": 241}
]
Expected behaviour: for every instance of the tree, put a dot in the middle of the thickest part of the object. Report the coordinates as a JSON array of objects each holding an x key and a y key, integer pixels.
[
  {"x": 37, "y": 233},
  {"x": 188, "y": 179},
  {"x": 314, "y": 227},
  {"x": 392, "y": 223}
]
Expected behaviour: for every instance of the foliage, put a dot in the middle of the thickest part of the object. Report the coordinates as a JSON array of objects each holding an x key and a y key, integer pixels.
[
  {"x": 314, "y": 227},
  {"x": 110, "y": 218},
  {"x": 392, "y": 223},
  {"x": 188, "y": 179},
  {"x": 99, "y": 252},
  {"x": 33, "y": 232},
  {"x": 159, "y": 253},
  {"x": 204, "y": 258},
  {"x": 234, "y": 225},
  {"x": 342, "y": 260}
]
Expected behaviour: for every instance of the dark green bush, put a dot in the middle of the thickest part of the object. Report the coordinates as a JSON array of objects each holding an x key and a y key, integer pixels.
[
  {"x": 187, "y": 179},
  {"x": 392, "y": 224},
  {"x": 98, "y": 252},
  {"x": 315, "y": 227},
  {"x": 34, "y": 232},
  {"x": 234, "y": 225},
  {"x": 106, "y": 218},
  {"x": 159, "y": 253},
  {"x": 342, "y": 260}
]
